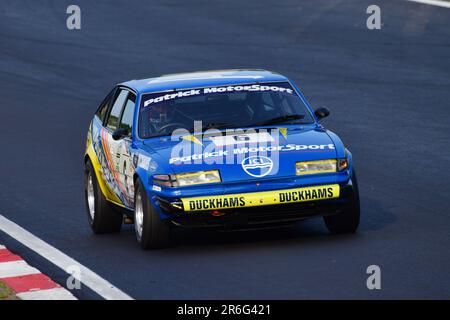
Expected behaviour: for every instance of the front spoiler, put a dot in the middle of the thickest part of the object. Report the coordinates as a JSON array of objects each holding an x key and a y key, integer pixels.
[
  {"x": 261, "y": 207},
  {"x": 260, "y": 199}
]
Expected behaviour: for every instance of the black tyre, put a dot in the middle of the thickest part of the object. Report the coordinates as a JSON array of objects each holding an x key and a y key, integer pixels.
[
  {"x": 151, "y": 231},
  {"x": 101, "y": 215},
  {"x": 348, "y": 220}
]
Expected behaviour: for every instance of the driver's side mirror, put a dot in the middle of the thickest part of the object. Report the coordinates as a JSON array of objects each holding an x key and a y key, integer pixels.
[
  {"x": 322, "y": 113},
  {"x": 119, "y": 134}
]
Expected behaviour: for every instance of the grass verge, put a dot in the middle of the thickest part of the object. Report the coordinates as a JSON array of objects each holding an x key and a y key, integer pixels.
[{"x": 6, "y": 293}]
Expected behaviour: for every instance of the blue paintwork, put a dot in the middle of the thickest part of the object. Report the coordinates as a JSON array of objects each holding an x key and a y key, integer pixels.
[
  {"x": 234, "y": 179},
  {"x": 201, "y": 79}
]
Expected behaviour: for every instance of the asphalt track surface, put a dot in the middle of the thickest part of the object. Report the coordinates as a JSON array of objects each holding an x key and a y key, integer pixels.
[{"x": 388, "y": 89}]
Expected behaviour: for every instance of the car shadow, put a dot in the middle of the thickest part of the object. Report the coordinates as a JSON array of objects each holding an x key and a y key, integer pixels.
[
  {"x": 374, "y": 217},
  {"x": 199, "y": 239},
  {"x": 375, "y": 214},
  {"x": 307, "y": 232},
  {"x": 310, "y": 232}
]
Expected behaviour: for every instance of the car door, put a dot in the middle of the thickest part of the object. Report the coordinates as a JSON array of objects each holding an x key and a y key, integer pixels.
[
  {"x": 123, "y": 155},
  {"x": 115, "y": 150}
]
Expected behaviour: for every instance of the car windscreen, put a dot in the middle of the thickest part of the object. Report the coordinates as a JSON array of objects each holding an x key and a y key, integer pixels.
[{"x": 231, "y": 106}]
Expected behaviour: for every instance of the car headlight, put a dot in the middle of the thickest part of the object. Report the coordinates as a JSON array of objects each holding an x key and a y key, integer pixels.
[
  {"x": 187, "y": 179},
  {"x": 320, "y": 166}
]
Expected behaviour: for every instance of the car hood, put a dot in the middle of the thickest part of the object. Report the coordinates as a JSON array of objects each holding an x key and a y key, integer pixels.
[{"x": 239, "y": 161}]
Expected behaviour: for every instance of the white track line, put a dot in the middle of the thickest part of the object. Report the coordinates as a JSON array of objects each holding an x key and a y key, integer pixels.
[
  {"x": 49, "y": 294},
  {"x": 444, "y": 4},
  {"x": 16, "y": 269},
  {"x": 61, "y": 260}
]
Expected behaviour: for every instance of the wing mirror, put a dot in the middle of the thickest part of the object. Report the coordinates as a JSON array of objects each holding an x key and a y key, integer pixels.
[
  {"x": 119, "y": 134},
  {"x": 322, "y": 112}
]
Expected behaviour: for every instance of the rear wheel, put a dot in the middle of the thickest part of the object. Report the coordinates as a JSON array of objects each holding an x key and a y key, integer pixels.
[
  {"x": 348, "y": 220},
  {"x": 151, "y": 231},
  {"x": 101, "y": 215}
]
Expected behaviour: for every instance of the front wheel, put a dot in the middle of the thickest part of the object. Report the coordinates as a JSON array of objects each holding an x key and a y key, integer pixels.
[
  {"x": 102, "y": 217},
  {"x": 151, "y": 231},
  {"x": 348, "y": 220}
]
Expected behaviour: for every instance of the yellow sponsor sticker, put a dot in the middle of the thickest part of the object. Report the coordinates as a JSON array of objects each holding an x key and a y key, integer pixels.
[{"x": 264, "y": 198}]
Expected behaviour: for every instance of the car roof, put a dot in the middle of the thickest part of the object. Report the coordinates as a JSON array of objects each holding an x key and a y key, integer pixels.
[{"x": 189, "y": 80}]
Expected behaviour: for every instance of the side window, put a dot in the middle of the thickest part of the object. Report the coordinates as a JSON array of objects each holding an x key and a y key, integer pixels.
[
  {"x": 114, "y": 115},
  {"x": 101, "y": 111},
  {"x": 128, "y": 113}
]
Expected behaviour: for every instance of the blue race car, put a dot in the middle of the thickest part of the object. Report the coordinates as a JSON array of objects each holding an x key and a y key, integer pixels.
[{"x": 226, "y": 149}]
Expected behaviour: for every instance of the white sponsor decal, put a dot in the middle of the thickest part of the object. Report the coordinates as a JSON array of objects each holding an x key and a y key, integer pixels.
[
  {"x": 223, "y": 89},
  {"x": 254, "y": 137},
  {"x": 156, "y": 188},
  {"x": 257, "y": 166},
  {"x": 244, "y": 150},
  {"x": 144, "y": 161}
]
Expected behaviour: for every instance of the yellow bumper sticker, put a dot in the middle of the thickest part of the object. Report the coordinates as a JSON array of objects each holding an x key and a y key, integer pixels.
[{"x": 264, "y": 198}]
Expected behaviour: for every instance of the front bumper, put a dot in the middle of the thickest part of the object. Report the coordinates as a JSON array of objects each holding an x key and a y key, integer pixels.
[{"x": 257, "y": 208}]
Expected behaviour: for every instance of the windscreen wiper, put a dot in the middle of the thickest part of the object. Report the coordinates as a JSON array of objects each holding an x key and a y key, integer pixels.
[
  {"x": 280, "y": 119},
  {"x": 218, "y": 125}
]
